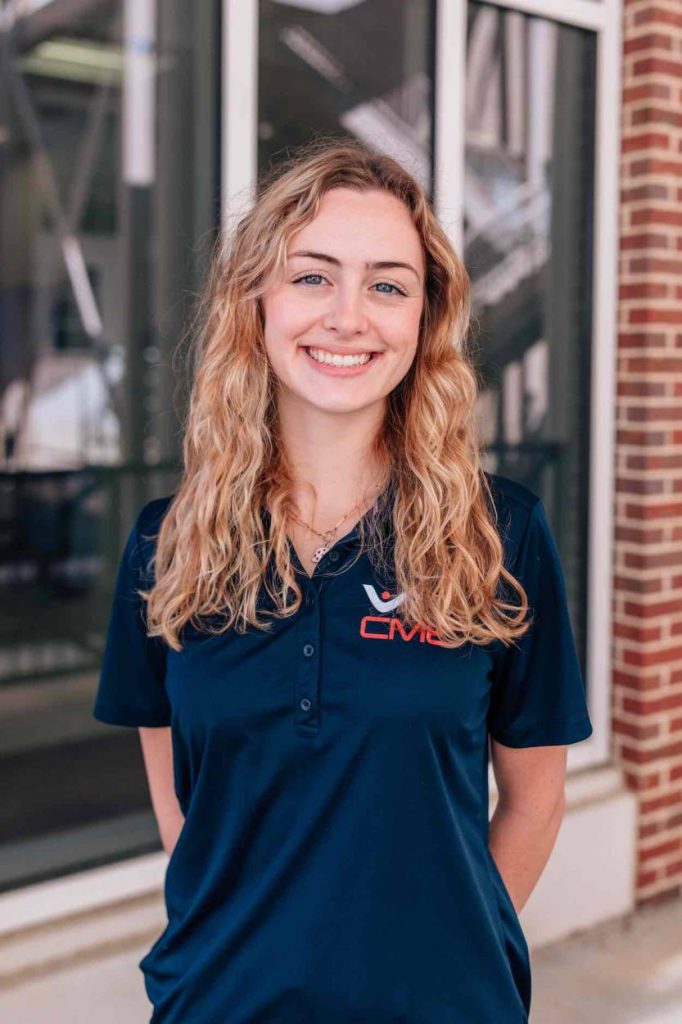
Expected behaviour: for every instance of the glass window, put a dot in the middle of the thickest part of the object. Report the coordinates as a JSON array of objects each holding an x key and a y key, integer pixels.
[
  {"x": 108, "y": 207},
  {"x": 347, "y": 67},
  {"x": 528, "y": 240}
]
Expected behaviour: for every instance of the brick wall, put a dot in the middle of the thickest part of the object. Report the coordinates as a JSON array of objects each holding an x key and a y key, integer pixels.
[{"x": 647, "y": 677}]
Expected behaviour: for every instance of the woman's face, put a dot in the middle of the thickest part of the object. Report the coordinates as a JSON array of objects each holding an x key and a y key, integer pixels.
[{"x": 335, "y": 300}]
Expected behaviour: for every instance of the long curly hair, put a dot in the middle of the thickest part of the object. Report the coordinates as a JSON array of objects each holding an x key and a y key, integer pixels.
[{"x": 216, "y": 554}]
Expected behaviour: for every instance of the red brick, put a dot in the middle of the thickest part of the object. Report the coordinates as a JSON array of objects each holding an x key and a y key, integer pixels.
[
  {"x": 650, "y": 190},
  {"x": 635, "y": 681},
  {"x": 641, "y": 438},
  {"x": 636, "y": 731},
  {"x": 637, "y": 755},
  {"x": 656, "y": 115},
  {"x": 638, "y": 485},
  {"x": 643, "y": 241},
  {"x": 647, "y": 216},
  {"x": 637, "y": 585},
  {"x": 638, "y": 634},
  {"x": 642, "y": 783},
  {"x": 654, "y": 364},
  {"x": 657, "y": 66},
  {"x": 653, "y": 413},
  {"x": 652, "y": 560},
  {"x": 645, "y": 878},
  {"x": 652, "y": 706},
  {"x": 665, "y": 800},
  {"x": 644, "y": 140},
  {"x": 636, "y": 535},
  {"x": 654, "y": 165},
  {"x": 651, "y": 609},
  {"x": 647, "y": 658},
  {"x": 644, "y": 290},
  {"x": 647, "y": 41},
  {"x": 669, "y": 846},
  {"x": 655, "y": 316},
  {"x": 659, "y": 15},
  {"x": 651, "y": 90},
  {"x": 649, "y": 463},
  {"x": 654, "y": 265}
]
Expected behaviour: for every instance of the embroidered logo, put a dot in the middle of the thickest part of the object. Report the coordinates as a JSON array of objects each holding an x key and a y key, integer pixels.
[{"x": 385, "y": 626}]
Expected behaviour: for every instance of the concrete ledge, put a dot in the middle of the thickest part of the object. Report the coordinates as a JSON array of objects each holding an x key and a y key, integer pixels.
[
  {"x": 71, "y": 942},
  {"x": 78, "y": 893}
]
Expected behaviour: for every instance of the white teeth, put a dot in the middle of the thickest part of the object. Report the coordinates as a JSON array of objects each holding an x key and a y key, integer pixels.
[{"x": 334, "y": 360}]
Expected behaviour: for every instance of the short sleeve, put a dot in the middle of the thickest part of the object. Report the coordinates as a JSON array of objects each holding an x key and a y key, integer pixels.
[
  {"x": 538, "y": 693},
  {"x": 131, "y": 688}
]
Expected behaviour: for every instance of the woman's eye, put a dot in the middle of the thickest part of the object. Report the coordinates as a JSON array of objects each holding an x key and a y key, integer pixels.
[
  {"x": 396, "y": 290},
  {"x": 305, "y": 277}
]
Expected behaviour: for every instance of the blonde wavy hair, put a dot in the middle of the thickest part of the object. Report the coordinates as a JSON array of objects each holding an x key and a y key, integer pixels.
[{"x": 214, "y": 550}]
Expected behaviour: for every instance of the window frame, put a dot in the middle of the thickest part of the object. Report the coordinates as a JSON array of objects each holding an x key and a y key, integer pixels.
[{"x": 38, "y": 904}]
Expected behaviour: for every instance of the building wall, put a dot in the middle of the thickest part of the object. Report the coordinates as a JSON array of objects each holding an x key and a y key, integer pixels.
[{"x": 647, "y": 644}]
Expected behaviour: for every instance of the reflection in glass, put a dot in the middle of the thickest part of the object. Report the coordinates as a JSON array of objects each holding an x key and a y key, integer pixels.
[
  {"x": 328, "y": 67},
  {"x": 529, "y": 183},
  {"x": 108, "y": 206}
]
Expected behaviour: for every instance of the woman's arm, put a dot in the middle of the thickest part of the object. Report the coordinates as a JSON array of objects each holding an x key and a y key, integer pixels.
[
  {"x": 528, "y": 815},
  {"x": 157, "y": 751}
]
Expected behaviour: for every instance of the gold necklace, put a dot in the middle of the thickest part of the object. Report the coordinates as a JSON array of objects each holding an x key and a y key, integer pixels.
[{"x": 328, "y": 534}]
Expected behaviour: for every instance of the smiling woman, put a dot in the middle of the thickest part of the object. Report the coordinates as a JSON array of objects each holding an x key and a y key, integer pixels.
[{"x": 323, "y": 614}]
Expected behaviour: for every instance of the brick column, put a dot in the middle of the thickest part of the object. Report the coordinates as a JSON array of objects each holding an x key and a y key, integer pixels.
[{"x": 647, "y": 642}]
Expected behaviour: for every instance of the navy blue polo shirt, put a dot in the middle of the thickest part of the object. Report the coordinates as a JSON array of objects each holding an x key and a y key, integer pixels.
[{"x": 333, "y": 866}]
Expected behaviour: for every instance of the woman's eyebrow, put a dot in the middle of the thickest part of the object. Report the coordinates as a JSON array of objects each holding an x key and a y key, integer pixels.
[{"x": 378, "y": 265}]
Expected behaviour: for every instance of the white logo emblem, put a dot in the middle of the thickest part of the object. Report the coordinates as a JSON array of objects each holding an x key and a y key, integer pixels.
[{"x": 381, "y": 604}]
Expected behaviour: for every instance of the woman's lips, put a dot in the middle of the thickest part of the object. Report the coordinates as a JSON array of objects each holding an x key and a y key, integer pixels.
[{"x": 343, "y": 371}]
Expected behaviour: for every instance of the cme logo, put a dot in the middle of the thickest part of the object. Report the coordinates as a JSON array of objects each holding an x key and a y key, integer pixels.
[{"x": 385, "y": 626}]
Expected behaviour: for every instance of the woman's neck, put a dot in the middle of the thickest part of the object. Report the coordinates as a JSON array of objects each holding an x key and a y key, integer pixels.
[{"x": 332, "y": 462}]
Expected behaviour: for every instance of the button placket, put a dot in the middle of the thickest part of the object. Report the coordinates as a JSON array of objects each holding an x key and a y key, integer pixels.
[{"x": 306, "y": 711}]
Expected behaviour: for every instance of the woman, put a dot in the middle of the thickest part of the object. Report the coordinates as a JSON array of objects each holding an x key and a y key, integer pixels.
[{"x": 321, "y": 629}]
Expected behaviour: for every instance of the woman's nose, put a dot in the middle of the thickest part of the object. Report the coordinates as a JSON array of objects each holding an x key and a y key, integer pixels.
[{"x": 345, "y": 313}]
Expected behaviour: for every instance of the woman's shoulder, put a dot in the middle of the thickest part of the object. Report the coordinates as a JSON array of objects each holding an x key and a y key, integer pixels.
[
  {"x": 151, "y": 514},
  {"x": 147, "y": 526},
  {"x": 514, "y": 505},
  {"x": 509, "y": 493}
]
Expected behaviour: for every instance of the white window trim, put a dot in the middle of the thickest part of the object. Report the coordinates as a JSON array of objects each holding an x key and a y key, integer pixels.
[{"x": 239, "y": 149}]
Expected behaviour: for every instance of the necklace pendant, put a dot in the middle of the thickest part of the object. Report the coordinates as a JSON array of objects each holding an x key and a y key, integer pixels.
[{"x": 318, "y": 553}]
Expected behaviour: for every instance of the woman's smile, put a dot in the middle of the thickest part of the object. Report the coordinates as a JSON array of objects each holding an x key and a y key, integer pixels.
[{"x": 350, "y": 365}]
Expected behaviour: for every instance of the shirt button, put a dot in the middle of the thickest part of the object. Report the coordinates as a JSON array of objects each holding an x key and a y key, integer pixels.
[
  {"x": 308, "y": 650},
  {"x": 305, "y": 704},
  {"x": 333, "y": 556},
  {"x": 309, "y": 601}
]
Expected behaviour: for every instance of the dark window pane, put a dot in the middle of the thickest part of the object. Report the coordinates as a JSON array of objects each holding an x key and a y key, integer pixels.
[
  {"x": 529, "y": 197},
  {"x": 357, "y": 68},
  {"x": 100, "y": 259}
]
